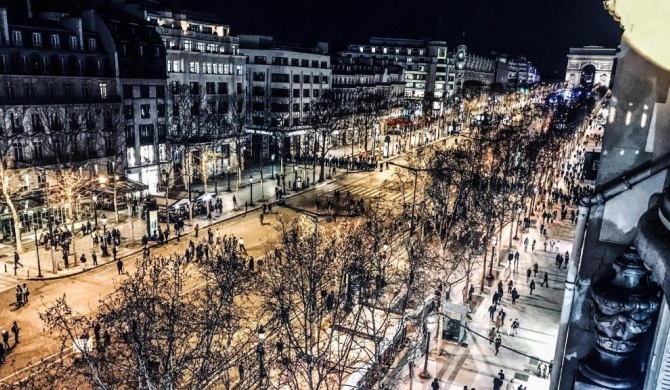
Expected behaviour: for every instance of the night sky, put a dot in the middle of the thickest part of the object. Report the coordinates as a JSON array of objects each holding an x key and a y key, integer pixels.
[{"x": 541, "y": 29}]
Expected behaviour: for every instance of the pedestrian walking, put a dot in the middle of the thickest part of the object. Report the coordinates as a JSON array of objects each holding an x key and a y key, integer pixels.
[
  {"x": 15, "y": 330},
  {"x": 5, "y": 339},
  {"x": 516, "y": 259},
  {"x": 2, "y": 354},
  {"x": 510, "y": 257},
  {"x": 566, "y": 258},
  {"x": 119, "y": 266},
  {"x": 515, "y": 296},
  {"x": 492, "y": 311},
  {"x": 497, "y": 383},
  {"x": 532, "y": 246},
  {"x": 94, "y": 257},
  {"x": 470, "y": 292},
  {"x": 515, "y": 327},
  {"x": 242, "y": 248},
  {"x": 26, "y": 293},
  {"x": 525, "y": 244},
  {"x": 197, "y": 229},
  {"x": 435, "y": 385},
  {"x": 510, "y": 285},
  {"x": 498, "y": 343},
  {"x": 546, "y": 280},
  {"x": 499, "y": 323},
  {"x": 246, "y": 207},
  {"x": 492, "y": 335},
  {"x": 511, "y": 385},
  {"x": 528, "y": 273},
  {"x": 532, "y": 286},
  {"x": 19, "y": 296},
  {"x": 535, "y": 268},
  {"x": 501, "y": 375},
  {"x": 234, "y": 203},
  {"x": 17, "y": 261},
  {"x": 261, "y": 217}
]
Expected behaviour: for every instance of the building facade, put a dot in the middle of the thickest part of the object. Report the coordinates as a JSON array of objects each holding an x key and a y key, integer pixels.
[
  {"x": 206, "y": 75},
  {"x": 426, "y": 64},
  {"x": 141, "y": 73},
  {"x": 472, "y": 71},
  {"x": 283, "y": 81},
  {"x": 58, "y": 100}
]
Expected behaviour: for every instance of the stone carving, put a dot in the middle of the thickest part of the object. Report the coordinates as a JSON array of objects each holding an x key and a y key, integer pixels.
[{"x": 625, "y": 305}]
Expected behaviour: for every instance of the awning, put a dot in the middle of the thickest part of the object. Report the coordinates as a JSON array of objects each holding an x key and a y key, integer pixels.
[{"x": 123, "y": 186}]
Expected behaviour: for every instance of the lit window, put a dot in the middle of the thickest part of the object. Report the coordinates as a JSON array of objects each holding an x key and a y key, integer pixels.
[
  {"x": 55, "y": 41},
  {"x": 37, "y": 39},
  {"x": 17, "y": 38},
  {"x": 103, "y": 90}
]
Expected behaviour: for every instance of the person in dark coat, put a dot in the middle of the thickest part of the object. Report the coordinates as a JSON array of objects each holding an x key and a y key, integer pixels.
[
  {"x": 119, "y": 266},
  {"x": 546, "y": 280},
  {"x": 15, "y": 330},
  {"x": 532, "y": 286}
]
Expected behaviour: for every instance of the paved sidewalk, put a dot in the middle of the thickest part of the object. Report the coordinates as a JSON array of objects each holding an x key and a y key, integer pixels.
[{"x": 475, "y": 365}]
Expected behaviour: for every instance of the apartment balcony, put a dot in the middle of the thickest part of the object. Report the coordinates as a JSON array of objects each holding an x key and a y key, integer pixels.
[{"x": 178, "y": 32}]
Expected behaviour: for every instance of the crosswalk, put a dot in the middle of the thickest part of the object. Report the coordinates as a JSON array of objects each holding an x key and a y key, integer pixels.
[{"x": 385, "y": 194}]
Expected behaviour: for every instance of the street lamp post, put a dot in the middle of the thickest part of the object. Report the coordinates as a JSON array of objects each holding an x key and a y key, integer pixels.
[
  {"x": 273, "y": 164},
  {"x": 95, "y": 211},
  {"x": 518, "y": 220},
  {"x": 228, "y": 169},
  {"x": 425, "y": 374},
  {"x": 104, "y": 235},
  {"x": 260, "y": 349},
  {"x": 37, "y": 248},
  {"x": 251, "y": 190}
]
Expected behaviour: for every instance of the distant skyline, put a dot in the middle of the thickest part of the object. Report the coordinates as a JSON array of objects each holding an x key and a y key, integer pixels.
[{"x": 543, "y": 30}]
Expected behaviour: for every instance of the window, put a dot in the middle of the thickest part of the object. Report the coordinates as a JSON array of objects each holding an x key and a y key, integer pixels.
[
  {"x": 211, "y": 47},
  {"x": 176, "y": 66},
  {"x": 160, "y": 110},
  {"x": 295, "y": 62},
  {"x": 325, "y": 79},
  {"x": 38, "y": 152},
  {"x": 296, "y": 93},
  {"x": 317, "y": 79},
  {"x": 373, "y": 49},
  {"x": 324, "y": 64},
  {"x": 260, "y": 60},
  {"x": 85, "y": 92},
  {"x": 304, "y": 63},
  {"x": 188, "y": 46},
  {"x": 296, "y": 78},
  {"x": 144, "y": 91},
  {"x": 91, "y": 44},
  {"x": 73, "y": 42},
  {"x": 210, "y": 88},
  {"x": 258, "y": 106},
  {"x": 147, "y": 131},
  {"x": 194, "y": 67},
  {"x": 258, "y": 76},
  {"x": 238, "y": 70},
  {"x": 305, "y": 93},
  {"x": 36, "y": 123},
  {"x": 279, "y": 78},
  {"x": 306, "y": 79},
  {"x": 17, "y": 38},
  {"x": 239, "y": 89},
  {"x": 130, "y": 154},
  {"x": 103, "y": 91},
  {"x": 194, "y": 87},
  {"x": 51, "y": 90},
  {"x": 11, "y": 93},
  {"x": 384, "y": 50},
  {"x": 258, "y": 91},
  {"x": 145, "y": 111},
  {"x": 222, "y": 88},
  {"x": 37, "y": 39},
  {"x": 220, "y": 68},
  {"x": 315, "y": 64},
  {"x": 200, "y": 46},
  {"x": 29, "y": 89},
  {"x": 127, "y": 91},
  {"x": 69, "y": 89},
  {"x": 409, "y": 52},
  {"x": 160, "y": 91},
  {"x": 279, "y": 92},
  {"x": 55, "y": 41},
  {"x": 18, "y": 151},
  {"x": 128, "y": 112},
  {"x": 315, "y": 93}
]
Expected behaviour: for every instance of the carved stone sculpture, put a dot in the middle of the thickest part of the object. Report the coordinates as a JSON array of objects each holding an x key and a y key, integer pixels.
[{"x": 625, "y": 304}]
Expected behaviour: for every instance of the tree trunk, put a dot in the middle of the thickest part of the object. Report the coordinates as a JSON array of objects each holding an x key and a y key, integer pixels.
[
  {"x": 116, "y": 203},
  {"x": 15, "y": 217}
]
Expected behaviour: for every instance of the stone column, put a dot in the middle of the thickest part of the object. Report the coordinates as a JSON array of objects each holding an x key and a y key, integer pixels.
[{"x": 625, "y": 305}]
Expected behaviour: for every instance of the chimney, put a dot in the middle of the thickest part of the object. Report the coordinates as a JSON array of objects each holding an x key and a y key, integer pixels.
[{"x": 4, "y": 25}]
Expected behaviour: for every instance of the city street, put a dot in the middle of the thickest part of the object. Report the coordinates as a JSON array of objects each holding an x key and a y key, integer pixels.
[{"x": 83, "y": 290}]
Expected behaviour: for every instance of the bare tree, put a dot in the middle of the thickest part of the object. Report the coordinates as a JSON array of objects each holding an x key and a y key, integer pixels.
[
  {"x": 326, "y": 116},
  {"x": 157, "y": 331}
]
